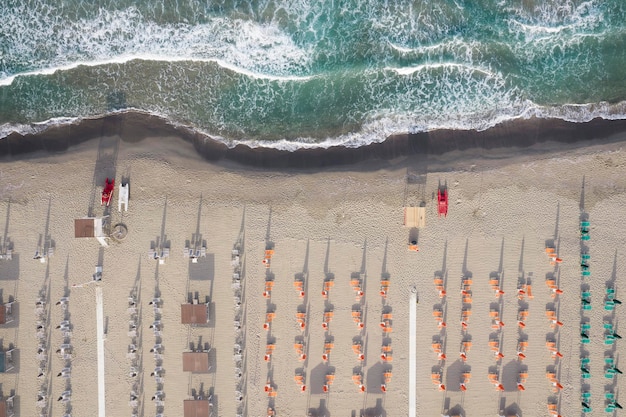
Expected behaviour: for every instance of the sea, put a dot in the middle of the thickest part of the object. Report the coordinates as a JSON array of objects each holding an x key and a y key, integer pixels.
[{"x": 300, "y": 73}]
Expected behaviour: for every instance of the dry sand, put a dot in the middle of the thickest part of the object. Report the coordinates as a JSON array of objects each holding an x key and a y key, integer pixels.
[{"x": 503, "y": 208}]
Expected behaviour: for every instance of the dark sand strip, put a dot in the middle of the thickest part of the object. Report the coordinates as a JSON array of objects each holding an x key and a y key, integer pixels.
[{"x": 134, "y": 126}]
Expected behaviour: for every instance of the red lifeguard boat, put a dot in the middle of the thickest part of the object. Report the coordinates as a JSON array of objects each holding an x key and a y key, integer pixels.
[
  {"x": 442, "y": 198},
  {"x": 107, "y": 192}
]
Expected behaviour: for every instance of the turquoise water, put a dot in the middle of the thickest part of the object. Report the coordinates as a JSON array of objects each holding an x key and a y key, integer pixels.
[{"x": 296, "y": 71}]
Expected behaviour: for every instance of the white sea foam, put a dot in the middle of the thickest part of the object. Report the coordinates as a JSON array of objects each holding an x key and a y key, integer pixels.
[
  {"x": 379, "y": 129},
  {"x": 148, "y": 57},
  {"x": 244, "y": 45},
  {"x": 550, "y": 20},
  {"x": 448, "y": 65}
]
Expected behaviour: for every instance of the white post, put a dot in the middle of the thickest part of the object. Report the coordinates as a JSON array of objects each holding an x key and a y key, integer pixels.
[
  {"x": 412, "y": 351},
  {"x": 100, "y": 329}
]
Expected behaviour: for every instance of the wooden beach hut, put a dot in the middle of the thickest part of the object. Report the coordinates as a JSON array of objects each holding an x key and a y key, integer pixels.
[
  {"x": 196, "y": 408},
  {"x": 196, "y": 362},
  {"x": 194, "y": 313},
  {"x": 415, "y": 216},
  {"x": 91, "y": 227}
]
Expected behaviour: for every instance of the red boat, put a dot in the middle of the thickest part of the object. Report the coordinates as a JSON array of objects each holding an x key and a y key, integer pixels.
[
  {"x": 442, "y": 198},
  {"x": 107, "y": 192}
]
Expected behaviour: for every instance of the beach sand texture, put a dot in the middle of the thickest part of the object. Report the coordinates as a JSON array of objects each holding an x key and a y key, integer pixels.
[{"x": 344, "y": 223}]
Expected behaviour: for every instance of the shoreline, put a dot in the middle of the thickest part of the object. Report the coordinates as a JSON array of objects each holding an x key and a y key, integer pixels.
[{"x": 135, "y": 126}]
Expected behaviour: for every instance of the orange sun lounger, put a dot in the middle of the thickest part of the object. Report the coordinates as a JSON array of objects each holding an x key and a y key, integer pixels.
[
  {"x": 436, "y": 377},
  {"x": 387, "y": 377}
]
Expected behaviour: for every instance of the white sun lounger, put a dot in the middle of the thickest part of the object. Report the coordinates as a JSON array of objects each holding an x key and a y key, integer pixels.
[{"x": 123, "y": 197}]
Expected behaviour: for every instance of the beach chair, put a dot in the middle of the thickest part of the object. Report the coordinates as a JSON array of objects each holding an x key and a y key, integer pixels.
[
  {"x": 555, "y": 323},
  {"x": 466, "y": 297},
  {"x": 556, "y": 386},
  {"x": 298, "y": 379},
  {"x": 551, "y": 346},
  {"x": 522, "y": 315},
  {"x": 328, "y": 284},
  {"x": 436, "y": 377},
  {"x": 359, "y": 294},
  {"x": 123, "y": 197},
  {"x": 584, "y": 230},
  {"x": 386, "y": 326},
  {"x": 269, "y": 285},
  {"x": 301, "y": 320},
  {"x": 384, "y": 288},
  {"x": 609, "y": 305},
  {"x": 269, "y": 350},
  {"x": 466, "y": 346},
  {"x": 494, "y": 345},
  {"x": 553, "y": 410},
  {"x": 387, "y": 375},
  {"x": 40, "y": 255},
  {"x": 585, "y": 300},
  {"x": 522, "y": 377},
  {"x": 330, "y": 378},
  {"x": 328, "y": 347},
  {"x": 556, "y": 292}
]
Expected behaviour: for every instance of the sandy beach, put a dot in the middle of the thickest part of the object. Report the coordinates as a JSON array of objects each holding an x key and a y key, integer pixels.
[{"x": 341, "y": 222}]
